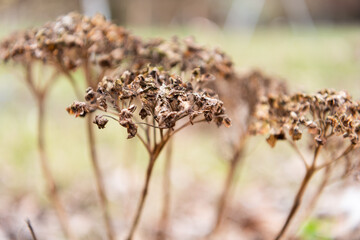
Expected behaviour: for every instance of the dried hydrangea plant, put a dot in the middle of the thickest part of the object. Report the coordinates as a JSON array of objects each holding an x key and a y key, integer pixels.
[
  {"x": 152, "y": 99},
  {"x": 71, "y": 42},
  {"x": 325, "y": 116},
  {"x": 99, "y": 47},
  {"x": 240, "y": 93},
  {"x": 181, "y": 56},
  {"x": 21, "y": 49}
]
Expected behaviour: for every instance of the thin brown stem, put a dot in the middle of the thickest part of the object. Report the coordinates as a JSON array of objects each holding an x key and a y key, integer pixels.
[
  {"x": 144, "y": 143},
  {"x": 231, "y": 173},
  {"x": 29, "y": 80},
  {"x": 298, "y": 198},
  {"x": 31, "y": 229},
  {"x": 164, "y": 221},
  {"x": 154, "y": 133},
  {"x": 88, "y": 74},
  {"x": 73, "y": 84},
  {"x": 143, "y": 197},
  {"x": 294, "y": 146},
  {"x": 318, "y": 192},
  {"x": 185, "y": 125},
  {"x": 51, "y": 186},
  {"x": 153, "y": 156},
  {"x": 296, "y": 203},
  {"x": 346, "y": 151},
  {"x": 99, "y": 180},
  {"x": 95, "y": 163}
]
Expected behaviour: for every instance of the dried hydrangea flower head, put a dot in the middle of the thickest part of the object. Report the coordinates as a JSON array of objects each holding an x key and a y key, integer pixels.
[
  {"x": 74, "y": 41},
  {"x": 241, "y": 93},
  {"x": 73, "y": 38},
  {"x": 152, "y": 99},
  {"x": 326, "y": 115},
  {"x": 185, "y": 55},
  {"x": 163, "y": 97},
  {"x": 19, "y": 47}
]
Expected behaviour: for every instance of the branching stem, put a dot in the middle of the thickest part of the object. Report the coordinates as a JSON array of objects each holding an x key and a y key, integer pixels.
[{"x": 299, "y": 196}]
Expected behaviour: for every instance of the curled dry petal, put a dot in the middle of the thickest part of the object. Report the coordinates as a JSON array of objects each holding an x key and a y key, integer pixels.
[{"x": 100, "y": 121}]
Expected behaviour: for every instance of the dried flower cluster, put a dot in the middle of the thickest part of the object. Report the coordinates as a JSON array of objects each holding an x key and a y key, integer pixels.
[
  {"x": 164, "y": 97},
  {"x": 242, "y": 92},
  {"x": 185, "y": 54},
  {"x": 70, "y": 40},
  {"x": 323, "y": 114}
]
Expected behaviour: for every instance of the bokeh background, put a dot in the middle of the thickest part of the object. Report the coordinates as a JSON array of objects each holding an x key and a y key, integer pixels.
[{"x": 309, "y": 44}]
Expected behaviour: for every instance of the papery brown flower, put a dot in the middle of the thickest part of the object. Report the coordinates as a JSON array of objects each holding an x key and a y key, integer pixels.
[
  {"x": 323, "y": 114},
  {"x": 162, "y": 96},
  {"x": 100, "y": 121},
  {"x": 78, "y": 109}
]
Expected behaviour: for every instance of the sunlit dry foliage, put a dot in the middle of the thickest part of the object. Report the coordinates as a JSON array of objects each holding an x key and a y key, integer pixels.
[{"x": 323, "y": 116}]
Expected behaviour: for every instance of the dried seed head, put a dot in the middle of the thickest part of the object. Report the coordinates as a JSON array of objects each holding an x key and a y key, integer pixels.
[
  {"x": 70, "y": 41},
  {"x": 323, "y": 114},
  {"x": 166, "y": 101}
]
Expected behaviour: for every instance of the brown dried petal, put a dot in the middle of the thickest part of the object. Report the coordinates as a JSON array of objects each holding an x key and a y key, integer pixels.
[
  {"x": 295, "y": 133},
  {"x": 78, "y": 109}
]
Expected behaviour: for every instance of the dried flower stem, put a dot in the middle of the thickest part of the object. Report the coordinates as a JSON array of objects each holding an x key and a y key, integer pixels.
[
  {"x": 318, "y": 192},
  {"x": 73, "y": 84},
  {"x": 95, "y": 165},
  {"x": 52, "y": 189},
  {"x": 229, "y": 182},
  {"x": 298, "y": 199},
  {"x": 295, "y": 147},
  {"x": 143, "y": 197},
  {"x": 324, "y": 182},
  {"x": 40, "y": 96},
  {"x": 164, "y": 221},
  {"x": 153, "y": 155},
  {"x": 31, "y": 229},
  {"x": 99, "y": 180},
  {"x": 347, "y": 150}
]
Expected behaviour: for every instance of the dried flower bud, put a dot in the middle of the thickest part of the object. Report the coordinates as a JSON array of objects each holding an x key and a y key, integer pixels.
[
  {"x": 78, "y": 109},
  {"x": 100, "y": 121}
]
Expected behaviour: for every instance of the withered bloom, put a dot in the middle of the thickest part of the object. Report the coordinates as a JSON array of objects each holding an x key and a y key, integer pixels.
[
  {"x": 73, "y": 41},
  {"x": 152, "y": 99},
  {"x": 161, "y": 96},
  {"x": 323, "y": 115},
  {"x": 74, "y": 38},
  {"x": 326, "y": 115},
  {"x": 185, "y": 55},
  {"x": 100, "y": 121}
]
